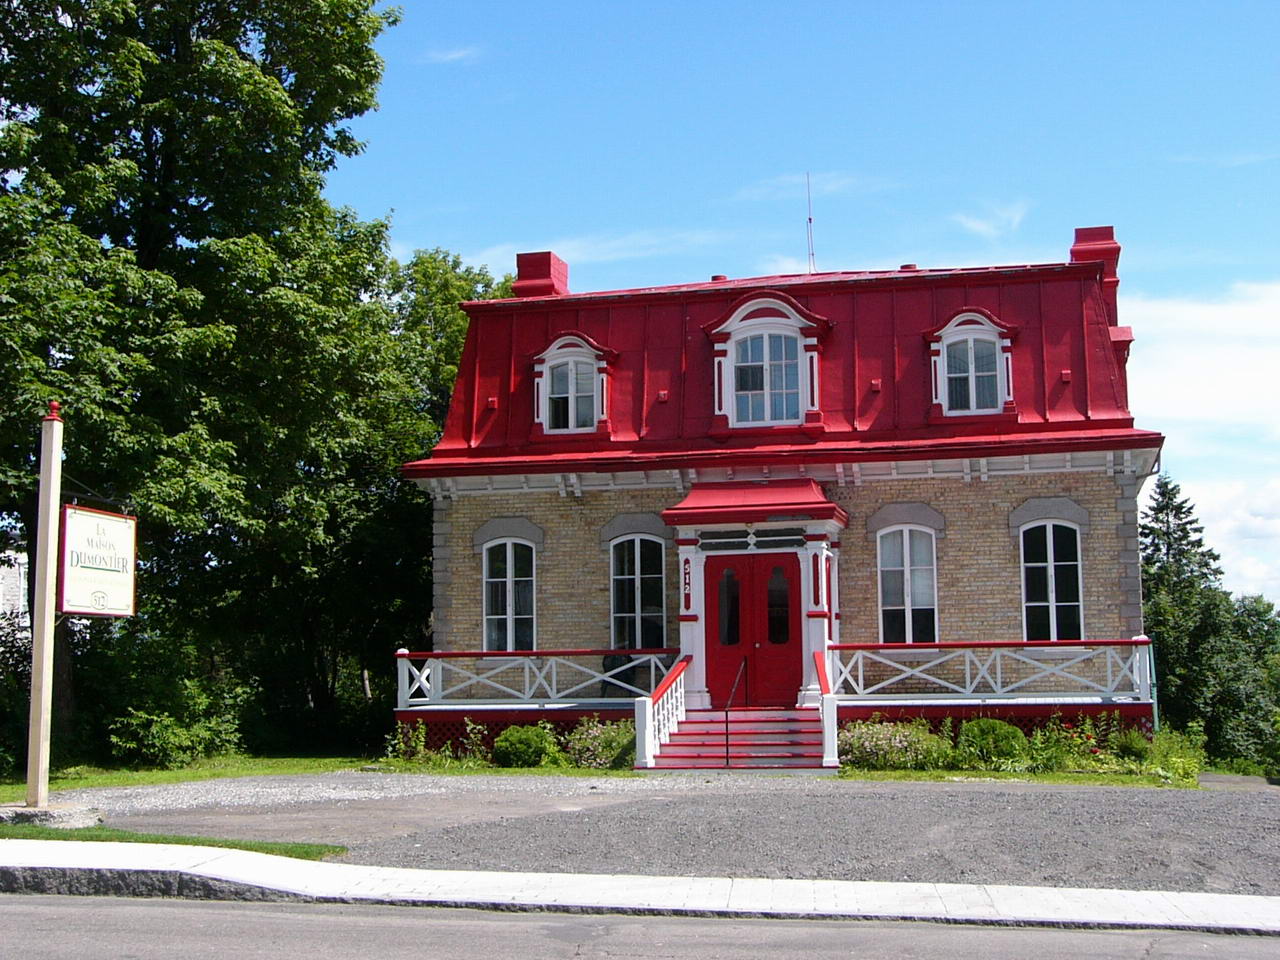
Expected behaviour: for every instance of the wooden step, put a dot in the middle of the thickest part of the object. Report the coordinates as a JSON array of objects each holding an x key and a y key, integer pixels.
[
  {"x": 789, "y": 748},
  {"x": 739, "y": 763}
]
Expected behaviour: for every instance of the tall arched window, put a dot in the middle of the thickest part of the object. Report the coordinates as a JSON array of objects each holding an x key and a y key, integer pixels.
[
  {"x": 638, "y": 592},
  {"x": 1051, "y": 582},
  {"x": 908, "y": 587},
  {"x": 509, "y": 616}
]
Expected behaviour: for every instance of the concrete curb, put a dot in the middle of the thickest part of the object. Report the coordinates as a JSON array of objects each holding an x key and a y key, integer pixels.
[{"x": 85, "y": 868}]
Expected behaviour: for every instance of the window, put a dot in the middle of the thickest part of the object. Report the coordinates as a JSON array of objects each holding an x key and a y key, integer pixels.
[
  {"x": 973, "y": 379},
  {"x": 766, "y": 379},
  {"x": 570, "y": 385},
  {"x": 1051, "y": 586},
  {"x": 571, "y": 396},
  {"x": 639, "y": 593},
  {"x": 972, "y": 364},
  {"x": 765, "y": 350},
  {"x": 508, "y": 595},
  {"x": 908, "y": 598}
]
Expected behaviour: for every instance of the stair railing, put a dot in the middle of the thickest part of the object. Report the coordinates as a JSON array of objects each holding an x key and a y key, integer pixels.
[
  {"x": 733, "y": 692},
  {"x": 657, "y": 716},
  {"x": 827, "y": 711}
]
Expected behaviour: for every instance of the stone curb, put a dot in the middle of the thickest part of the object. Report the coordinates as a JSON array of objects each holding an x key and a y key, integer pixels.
[{"x": 84, "y": 868}]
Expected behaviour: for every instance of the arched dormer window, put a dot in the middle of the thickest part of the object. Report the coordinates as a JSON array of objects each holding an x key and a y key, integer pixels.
[
  {"x": 765, "y": 352},
  {"x": 972, "y": 364},
  {"x": 570, "y": 383}
]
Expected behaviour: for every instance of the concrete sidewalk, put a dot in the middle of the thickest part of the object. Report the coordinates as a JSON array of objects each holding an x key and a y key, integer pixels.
[{"x": 142, "y": 869}]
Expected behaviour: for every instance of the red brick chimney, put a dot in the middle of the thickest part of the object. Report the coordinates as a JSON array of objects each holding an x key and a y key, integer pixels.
[
  {"x": 1099, "y": 243},
  {"x": 540, "y": 275}
]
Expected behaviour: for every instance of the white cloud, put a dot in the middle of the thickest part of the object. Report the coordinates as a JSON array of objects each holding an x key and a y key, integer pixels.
[
  {"x": 1242, "y": 522},
  {"x": 792, "y": 186},
  {"x": 602, "y": 248},
  {"x": 1202, "y": 373},
  {"x": 998, "y": 220},
  {"x": 1207, "y": 361},
  {"x": 453, "y": 55},
  {"x": 781, "y": 264}
]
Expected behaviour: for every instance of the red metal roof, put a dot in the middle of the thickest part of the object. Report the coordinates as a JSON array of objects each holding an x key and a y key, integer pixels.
[{"x": 753, "y": 502}]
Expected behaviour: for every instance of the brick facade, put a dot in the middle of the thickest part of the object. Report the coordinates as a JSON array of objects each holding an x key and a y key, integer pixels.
[{"x": 978, "y": 565}]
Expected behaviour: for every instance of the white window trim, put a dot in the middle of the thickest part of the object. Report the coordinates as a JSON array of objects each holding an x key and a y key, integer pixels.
[
  {"x": 780, "y": 318},
  {"x": 565, "y": 349},
  {"x": 510, "y": 614},
  {"x": 613, "y": 575},
  {"x": 1053, "y": 587},
  {"x": 908, "y": 606},
  {"x": 972, "y": 326}
]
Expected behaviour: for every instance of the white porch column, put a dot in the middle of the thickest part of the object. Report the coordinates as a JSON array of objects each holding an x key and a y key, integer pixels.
[
  {"x": 693, "y": 620},
  {"x": 815, "y": 574}
]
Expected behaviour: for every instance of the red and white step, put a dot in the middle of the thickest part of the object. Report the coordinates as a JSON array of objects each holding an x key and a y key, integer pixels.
[{"x": 744, "y": 738}]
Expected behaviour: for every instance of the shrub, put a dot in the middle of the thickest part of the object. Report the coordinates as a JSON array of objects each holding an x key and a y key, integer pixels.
[
  {"x": 602, "y": 746},
  {"x": 159, "y": 740},
  {"x": 1129, "y": 744},
  {"x": 1051, "y": 749},
  {"x": 1179, "y": 756},
  {"x": 529, "y": 746},
  {"x": 988, "y": 743},
  {"x": 8, "y": 762},
  {"x": 876, "y": 744}
]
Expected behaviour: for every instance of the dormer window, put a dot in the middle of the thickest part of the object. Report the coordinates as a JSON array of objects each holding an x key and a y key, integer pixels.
[
  {"x": 571, "y": 380},
  {"x": 766, "y": 379},
  {"x": 571, "y": 396},
  {"x": 766, "y": 363},
  {"x": 972, "y": 364}
]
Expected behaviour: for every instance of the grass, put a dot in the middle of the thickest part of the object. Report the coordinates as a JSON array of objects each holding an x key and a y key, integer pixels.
[
  {"x": 1079, "y": 779},
  {"x": 299, "y": 851},
  {"x": 73, "y": 778}
]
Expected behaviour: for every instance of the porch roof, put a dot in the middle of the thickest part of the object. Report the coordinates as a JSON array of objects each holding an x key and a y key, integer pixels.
[{"x": 753, "y": 502}]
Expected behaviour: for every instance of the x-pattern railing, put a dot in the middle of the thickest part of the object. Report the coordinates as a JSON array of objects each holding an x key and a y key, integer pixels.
[
  {"x": 1110, "y": 669},
  {"x": 531, "y": 677}
]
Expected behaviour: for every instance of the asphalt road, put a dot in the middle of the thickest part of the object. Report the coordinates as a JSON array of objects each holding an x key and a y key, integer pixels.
[{"x": 73, "y": 928}]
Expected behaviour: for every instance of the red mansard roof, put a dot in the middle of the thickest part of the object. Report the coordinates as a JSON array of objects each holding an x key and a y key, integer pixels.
[{"x": 875, "y": 383}]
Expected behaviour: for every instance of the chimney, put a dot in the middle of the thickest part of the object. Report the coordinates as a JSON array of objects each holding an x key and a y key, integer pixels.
[
  {"x": 1099, "y": 243},
  {"x": 540, "y": 275}
]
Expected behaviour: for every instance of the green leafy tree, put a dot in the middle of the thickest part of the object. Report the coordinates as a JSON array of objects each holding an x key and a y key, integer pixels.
[
  {"x": 224, "y": 343},
  {"x": 1213, "y": 654}
]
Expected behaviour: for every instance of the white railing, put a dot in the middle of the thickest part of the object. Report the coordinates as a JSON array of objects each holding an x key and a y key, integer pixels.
[
  {"x": 826, "y": 711},
  {"x": 658, "y": 716},
  {"x": 531, "y": 677},
  {"x": 1095, "y": 669}
]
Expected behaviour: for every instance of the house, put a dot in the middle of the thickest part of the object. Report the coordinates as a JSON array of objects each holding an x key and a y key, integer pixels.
[{"x": 788, "y": 501}]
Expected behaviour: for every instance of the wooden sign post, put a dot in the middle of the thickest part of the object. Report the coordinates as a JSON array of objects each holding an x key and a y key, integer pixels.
[{"x": 42, "y": 621}]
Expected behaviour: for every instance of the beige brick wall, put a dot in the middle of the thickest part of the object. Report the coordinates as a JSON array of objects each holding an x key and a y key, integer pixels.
[
  {"x": 979, "y": 588},
  {"x": 979, "y": 595},
  {"x": 572, "y": 569}
]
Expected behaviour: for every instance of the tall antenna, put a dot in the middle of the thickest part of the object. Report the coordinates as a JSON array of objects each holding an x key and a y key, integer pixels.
[{"x": 808, "y": 193}]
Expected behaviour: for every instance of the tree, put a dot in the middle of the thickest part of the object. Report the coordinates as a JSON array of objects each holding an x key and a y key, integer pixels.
[
  {"x": 1213, "y": 654},
  {"x": 224, "y": 343}
]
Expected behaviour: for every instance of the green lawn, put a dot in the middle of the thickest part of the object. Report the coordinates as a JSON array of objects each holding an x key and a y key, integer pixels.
[
  {"x": 299, "y": 851},
  {"x": 13, "y": 789}
]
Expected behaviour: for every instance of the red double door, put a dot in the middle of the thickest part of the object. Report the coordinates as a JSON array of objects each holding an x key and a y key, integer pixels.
[{"x": 753, "y": 629}]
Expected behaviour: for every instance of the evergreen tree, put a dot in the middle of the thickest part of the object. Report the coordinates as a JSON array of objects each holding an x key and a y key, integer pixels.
[{"x": 1173, "y": 547}]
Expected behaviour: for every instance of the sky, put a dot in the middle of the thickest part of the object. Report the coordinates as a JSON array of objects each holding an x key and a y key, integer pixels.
[{"x": 660, "y": 143}]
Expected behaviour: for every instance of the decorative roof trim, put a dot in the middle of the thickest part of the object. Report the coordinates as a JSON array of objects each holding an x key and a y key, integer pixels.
[{"x": 763, "y": 305}]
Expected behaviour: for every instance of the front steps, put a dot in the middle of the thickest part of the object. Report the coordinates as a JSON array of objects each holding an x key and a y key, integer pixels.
[{"x": 757, "y": 738}]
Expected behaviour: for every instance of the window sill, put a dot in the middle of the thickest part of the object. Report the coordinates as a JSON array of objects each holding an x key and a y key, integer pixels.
[{"x": 1008, "y": 415}]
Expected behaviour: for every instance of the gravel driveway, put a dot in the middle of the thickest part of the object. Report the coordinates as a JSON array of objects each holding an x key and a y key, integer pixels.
[{"x": 1223, "y": 841}]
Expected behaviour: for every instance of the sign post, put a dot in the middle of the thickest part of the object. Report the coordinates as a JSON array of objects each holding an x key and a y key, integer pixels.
[{"x": 42, "y": 621}]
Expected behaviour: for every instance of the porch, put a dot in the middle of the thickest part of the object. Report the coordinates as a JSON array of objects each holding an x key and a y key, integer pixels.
[{"x": 1021, "y": 682}]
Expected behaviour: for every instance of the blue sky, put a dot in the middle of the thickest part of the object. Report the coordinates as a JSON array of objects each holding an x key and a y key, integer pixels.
[{"x": 664, "y": 142}]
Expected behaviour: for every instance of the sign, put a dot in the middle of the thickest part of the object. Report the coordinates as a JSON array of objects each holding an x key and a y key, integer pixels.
[{"x": 98, "y": 558}]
